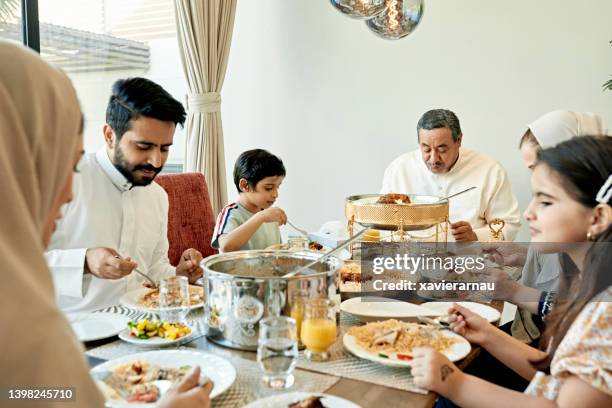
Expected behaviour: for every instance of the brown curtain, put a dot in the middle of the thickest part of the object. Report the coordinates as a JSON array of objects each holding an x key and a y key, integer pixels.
[{"x": 205, "y": 33}]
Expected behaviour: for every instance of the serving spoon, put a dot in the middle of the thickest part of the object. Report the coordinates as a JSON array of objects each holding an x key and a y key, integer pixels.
[
  {"x": 456, "y": 194},
  {"x": 326, "y": 255}
]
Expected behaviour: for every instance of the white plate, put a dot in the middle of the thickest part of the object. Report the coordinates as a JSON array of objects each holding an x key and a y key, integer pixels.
[
  {"x": 97, "y": 326},
  {"x": 152, "y": 342},
  {"x": 454, "y": 353},
  {"x": 488, "y": 312},
  {"x": 372, "y": 308},
  {"x": 283, "y": 400},
  {"x": 130, "y": 299},
  {"x": 219, "y": 370}
]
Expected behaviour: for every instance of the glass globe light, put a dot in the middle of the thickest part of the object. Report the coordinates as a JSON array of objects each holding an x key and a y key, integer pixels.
[
  {"x": 399, "y": 19},
  {"x": 360, "y": 9}
]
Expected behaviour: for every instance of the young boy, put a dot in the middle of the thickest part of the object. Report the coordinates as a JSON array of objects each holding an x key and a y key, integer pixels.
[{"x": 252, "y": 222}]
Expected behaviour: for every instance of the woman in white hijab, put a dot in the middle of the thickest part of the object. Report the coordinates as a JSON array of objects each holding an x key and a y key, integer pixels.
[
  {"x": 556, "y": 127},
  {"x": 533, "y": 294},
  {"x": 540, "y": 273},
  {"x": 40, "y": 142}
]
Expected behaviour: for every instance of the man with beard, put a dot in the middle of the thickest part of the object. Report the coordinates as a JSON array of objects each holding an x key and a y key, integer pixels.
[
  {"x": 440, "y": 167},
  {"x": 118, "y": 218}
]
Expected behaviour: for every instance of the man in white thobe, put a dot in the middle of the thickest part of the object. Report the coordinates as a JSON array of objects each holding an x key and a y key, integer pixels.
[
  {"x": 118, "y": 218},
  {"x": 440, "y": 167}
]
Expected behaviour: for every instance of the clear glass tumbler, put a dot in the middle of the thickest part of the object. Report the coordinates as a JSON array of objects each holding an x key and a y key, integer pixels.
[
  {"x": 277, "y": 351},
  {"x": 297, "y": 243},
  {"x": 174, "y": 299}
]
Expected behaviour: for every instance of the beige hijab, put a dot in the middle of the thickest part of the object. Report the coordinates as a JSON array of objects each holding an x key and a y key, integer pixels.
[
  {"x": 39, "y": 125},
  {"x": 558, "y": 126}
]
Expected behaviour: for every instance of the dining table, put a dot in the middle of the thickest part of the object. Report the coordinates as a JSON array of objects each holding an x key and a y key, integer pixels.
[{"x": 364, "y": 393}]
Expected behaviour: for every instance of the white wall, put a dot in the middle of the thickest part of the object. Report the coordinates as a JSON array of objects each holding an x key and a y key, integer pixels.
[
  {"x": 337, "y": 104},
  {"x": 94, "y": 90}
]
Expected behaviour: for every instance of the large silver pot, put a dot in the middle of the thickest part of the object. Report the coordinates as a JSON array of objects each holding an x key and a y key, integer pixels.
[{"x": 245, "y": 286}]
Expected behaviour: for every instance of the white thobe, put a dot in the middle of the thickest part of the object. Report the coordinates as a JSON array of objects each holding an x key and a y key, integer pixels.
[
  {"x": 107, "y": 211},
  {"x": 493, "y": 197}
]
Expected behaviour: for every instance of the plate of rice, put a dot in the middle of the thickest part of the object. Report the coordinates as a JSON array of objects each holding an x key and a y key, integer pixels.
[{"x": 390, "y": 342}]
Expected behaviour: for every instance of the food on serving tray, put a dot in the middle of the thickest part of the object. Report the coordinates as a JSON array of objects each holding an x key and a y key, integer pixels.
[
  {"x": 394, "y": 336},
  {"x": 314, "y": 246},
  {"x": 310, "y": 402},
  {"x": 146, "y": 329},
  {"x": 393, "y": 198},
  {"x": 371, "y": 235},
  {"x": 134, "y": 381},
  {"x": 349, "y": 277},
  {"x": 151, "y": 297},
  {"x": 350, "y": 272}
]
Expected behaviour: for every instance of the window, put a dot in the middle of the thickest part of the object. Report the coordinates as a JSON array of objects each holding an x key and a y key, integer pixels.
[
  {"x": 99, "y": 41},
  {"x": 10, "y": 21}
]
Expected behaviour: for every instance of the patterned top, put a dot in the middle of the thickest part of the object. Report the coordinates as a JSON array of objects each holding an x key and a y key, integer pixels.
[
  {"x": 234, "y": 215},
  {"x": 585, "y": 351}
]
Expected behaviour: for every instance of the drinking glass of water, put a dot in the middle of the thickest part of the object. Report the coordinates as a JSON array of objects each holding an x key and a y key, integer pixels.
[
  {"x": 277, "y": 351},
  {"x": 174, "y": 299}
]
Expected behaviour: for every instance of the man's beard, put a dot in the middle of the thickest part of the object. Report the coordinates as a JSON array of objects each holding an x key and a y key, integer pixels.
[{"x": 129, "y": 171}]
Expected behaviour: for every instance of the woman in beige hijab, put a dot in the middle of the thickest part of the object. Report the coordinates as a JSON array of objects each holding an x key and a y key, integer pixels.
[{"x": 40, "y": 142}]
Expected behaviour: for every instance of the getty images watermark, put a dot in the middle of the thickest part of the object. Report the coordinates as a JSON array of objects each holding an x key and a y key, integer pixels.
[{"x": 436, "y": 270}]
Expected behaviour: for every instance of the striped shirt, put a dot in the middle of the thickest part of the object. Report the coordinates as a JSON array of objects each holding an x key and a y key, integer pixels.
[{"x": 234, "y": 215}]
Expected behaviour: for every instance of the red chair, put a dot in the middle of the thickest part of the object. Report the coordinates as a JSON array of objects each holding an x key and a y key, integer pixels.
[{"x": 190, "y": 216}]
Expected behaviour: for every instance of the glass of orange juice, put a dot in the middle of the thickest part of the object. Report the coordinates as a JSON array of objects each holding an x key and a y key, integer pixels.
[
  {"x": 318, "y": 329},
  {"x": 297, "y": 313}
]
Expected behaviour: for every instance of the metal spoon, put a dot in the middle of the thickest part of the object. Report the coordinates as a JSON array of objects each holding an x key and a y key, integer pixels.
[
  {"x": 326, "y": 255},
  {"x": 456, "y": 194},
  {"x": 301, "y": 231},
  {"x": 154, "y": 284}
]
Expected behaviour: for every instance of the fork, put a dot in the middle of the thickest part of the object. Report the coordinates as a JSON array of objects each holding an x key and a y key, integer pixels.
[
  {"x": 440, "y": 324},
  {"x": 301, "y": 231}
]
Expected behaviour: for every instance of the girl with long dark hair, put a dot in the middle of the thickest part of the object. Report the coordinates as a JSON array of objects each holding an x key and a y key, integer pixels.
[{"x": 570, "y": 214}]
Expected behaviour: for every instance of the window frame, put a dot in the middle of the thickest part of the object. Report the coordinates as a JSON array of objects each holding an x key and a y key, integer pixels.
[{"x": 30, "y": 29}]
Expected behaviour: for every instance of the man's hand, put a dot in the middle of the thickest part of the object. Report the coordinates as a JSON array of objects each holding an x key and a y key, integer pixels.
[
  {"x": 506, "y": 253},
  {"x": 433, "y": 371},
  {"x": 189, "y": 265},
  {"x": 274, "y": 214},
  {"x": 105, "y": 263},
  {"x": 188, "y": 393},
  {"x": 462, "y": 231}
]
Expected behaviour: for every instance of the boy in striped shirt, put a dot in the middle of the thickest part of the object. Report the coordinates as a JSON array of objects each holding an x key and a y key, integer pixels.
[{"x": 252, "y": 222}]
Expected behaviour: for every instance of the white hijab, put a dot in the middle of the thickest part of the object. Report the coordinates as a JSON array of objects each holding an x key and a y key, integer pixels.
[
  {"x": 39, "y": 130},
  {"x": 558, "y": 126}
]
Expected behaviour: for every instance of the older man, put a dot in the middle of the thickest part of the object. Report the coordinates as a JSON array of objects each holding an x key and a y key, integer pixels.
[
  {"x": 440, "y": 167},
  {"x": 118, "y": 218}
]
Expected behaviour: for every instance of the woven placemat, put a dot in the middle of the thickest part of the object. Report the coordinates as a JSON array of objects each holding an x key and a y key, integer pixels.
[
  {"x": 248, "y": 386},
  {"x": 344, "y": 364}
]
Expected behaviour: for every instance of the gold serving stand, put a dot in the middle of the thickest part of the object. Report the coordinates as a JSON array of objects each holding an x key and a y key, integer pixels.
[{"x": 421, "y": 214}]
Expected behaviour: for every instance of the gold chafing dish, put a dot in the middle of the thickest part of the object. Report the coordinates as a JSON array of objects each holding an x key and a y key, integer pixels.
[{"x": 421, "y": 213}]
